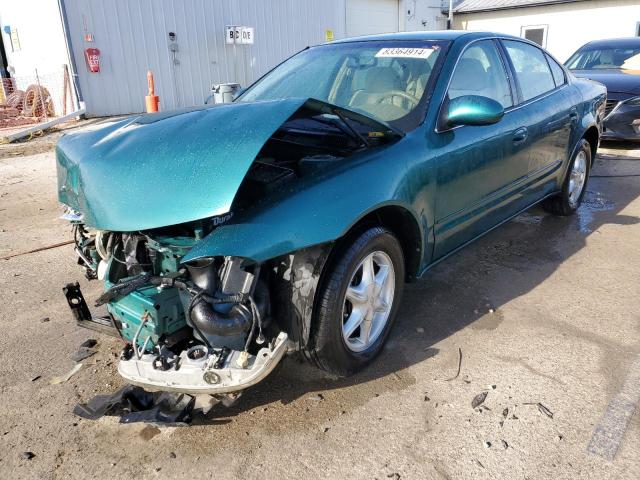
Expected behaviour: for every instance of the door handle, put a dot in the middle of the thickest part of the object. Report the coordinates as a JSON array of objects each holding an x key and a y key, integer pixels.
[{"x": 520, "y": 135}]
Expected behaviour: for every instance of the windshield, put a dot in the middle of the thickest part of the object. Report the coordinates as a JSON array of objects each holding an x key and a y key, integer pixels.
[
  {"x": 385, "y": 80},
  {"x": 627, "y": 58}
]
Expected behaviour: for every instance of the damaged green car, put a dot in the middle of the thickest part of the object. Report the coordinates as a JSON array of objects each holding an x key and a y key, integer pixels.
[{"x": 228, "y": 236}]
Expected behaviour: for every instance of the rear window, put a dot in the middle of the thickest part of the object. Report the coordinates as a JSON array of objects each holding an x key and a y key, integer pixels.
[
  {"x": 557, "y": 71},
  {"x": 532, "y": 70}
]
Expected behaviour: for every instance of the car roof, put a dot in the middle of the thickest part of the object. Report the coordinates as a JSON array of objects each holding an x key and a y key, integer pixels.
[
  {"x": 425, "y": 35},
  {"x": 614, "y": 42}
]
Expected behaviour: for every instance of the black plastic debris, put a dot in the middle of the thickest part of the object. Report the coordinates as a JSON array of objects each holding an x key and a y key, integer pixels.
[
  {"x": 89, "y": 343},
  {"x": 85, "y": 350},
  {"x": 545, "y": 410},
  {"x": 27, "y": 455},
  {"x": 134, "y": 404},
  {"x": 459, "y": 366},
  {"x": 478, "y": 399},
  {"x": 81, "y": 354},
  {"x": 168, "y": 408},
  {"x": 127, "y": 399}
]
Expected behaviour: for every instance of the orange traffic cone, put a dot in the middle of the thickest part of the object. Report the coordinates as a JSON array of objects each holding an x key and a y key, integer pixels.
[{"x": 152, "y": 99}]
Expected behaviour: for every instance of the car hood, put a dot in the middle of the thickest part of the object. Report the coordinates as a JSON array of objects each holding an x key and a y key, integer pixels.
[
  {"x": 616, "y": 80},
  {"x": 164, "y": 169}
]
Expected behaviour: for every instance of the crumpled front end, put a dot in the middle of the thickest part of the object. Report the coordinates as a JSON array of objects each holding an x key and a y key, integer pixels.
[{"x": 146, "y": 197}]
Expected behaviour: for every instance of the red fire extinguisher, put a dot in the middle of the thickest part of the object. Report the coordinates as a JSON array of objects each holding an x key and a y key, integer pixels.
[{"x": 92, "y": 56}]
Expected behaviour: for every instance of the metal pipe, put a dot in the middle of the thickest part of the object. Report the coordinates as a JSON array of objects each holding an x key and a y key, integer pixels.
[{"x": 72, "y": 58}]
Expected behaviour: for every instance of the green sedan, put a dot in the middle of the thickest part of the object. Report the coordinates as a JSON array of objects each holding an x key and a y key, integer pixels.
[{"x": 289, "y": 220}]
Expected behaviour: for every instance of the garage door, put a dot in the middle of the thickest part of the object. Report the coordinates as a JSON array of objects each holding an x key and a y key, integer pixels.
[{"x": 365, "y": 17}]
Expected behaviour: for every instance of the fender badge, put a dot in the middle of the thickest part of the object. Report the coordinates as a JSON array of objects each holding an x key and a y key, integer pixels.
[{"x": 220, "y": 219}]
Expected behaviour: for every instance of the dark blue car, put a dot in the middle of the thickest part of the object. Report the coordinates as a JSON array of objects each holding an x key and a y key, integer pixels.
[{"x": 616, "y": 64}]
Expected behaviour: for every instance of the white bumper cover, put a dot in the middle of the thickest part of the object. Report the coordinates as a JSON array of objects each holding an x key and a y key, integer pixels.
[{"x": 198, "y": 376}]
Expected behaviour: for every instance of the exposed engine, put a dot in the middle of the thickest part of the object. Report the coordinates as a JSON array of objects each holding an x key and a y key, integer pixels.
[{"x": 203, "y": 327}]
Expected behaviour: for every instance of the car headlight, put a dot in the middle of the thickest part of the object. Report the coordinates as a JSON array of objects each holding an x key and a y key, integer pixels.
[{"x": 635, "y": 101}]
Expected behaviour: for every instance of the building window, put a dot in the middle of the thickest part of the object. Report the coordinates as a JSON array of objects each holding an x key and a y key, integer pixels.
[{"x": 535, "y": 33}]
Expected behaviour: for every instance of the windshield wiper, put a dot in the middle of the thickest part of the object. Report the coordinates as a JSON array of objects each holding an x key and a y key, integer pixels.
[
  {"x": 355, "y": 133},
  {"x": 349, "y": 130}
]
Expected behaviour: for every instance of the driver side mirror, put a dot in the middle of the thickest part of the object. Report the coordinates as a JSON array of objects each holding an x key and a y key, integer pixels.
[{"x": 472, "y": 110}]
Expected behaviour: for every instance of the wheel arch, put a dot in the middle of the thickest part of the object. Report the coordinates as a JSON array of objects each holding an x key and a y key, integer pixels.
[{"x": 399, "y": 221}]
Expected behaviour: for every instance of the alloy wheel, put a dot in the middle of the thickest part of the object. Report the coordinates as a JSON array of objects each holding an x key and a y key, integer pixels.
[
  {"x": 368, "y": 301},
  {"x": 577, "y": 178}
]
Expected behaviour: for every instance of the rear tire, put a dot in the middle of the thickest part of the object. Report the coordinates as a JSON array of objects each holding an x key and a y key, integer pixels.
[
  {"x": 358, "y": 302},
  {"x": 575, "y": 183}
]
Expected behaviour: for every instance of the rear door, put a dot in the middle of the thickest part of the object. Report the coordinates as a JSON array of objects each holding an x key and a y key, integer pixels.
[{"x": 546, "y": 111}]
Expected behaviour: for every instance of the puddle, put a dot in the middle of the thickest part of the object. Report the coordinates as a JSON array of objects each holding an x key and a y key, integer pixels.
[
  {"x": 591, "y": 203},
  {"x": 529, "y": 219},
  {"x": 488, "y": 321}
]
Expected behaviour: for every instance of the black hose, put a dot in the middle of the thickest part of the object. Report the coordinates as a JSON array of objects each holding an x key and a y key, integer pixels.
[
  {"x": 123, "y": 288},
  {"x": 196, "y": 298},
  {"x": 255, "y": 319},
  {"x": 206, "y": 318}
]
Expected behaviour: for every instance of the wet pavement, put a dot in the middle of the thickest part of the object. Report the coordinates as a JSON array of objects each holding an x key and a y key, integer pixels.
[{"x": 542, "y": 315}]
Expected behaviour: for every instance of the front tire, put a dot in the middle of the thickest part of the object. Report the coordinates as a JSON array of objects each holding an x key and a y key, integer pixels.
[
  {"x": 575, "y": 183},
  {"x": 358, "y": 302}
]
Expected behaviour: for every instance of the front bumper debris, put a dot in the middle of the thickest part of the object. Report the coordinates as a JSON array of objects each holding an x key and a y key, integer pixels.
[
  {"x": 196, "y": 376},
  {"x": 82, "y": 314}
]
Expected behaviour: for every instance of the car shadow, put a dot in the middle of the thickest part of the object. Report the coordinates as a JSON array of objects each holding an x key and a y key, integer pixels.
[{"x": 460, "y": 292}]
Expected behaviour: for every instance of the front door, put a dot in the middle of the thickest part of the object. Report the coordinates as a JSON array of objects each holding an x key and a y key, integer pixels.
[{"x": 475, "y": 164}]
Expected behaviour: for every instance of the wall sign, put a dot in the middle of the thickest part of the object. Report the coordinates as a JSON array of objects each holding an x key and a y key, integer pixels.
[
  {"x": 236, "y": 34},
  {"x": 246, "y": 35},
  {"x": 92, "y": 57}
]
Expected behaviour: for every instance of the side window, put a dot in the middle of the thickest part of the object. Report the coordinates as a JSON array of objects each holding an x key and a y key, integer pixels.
[
  {"x": 480, "y": 72},
  {"x": 531, "y": 69},
  {"x": 556, "y": 71}
]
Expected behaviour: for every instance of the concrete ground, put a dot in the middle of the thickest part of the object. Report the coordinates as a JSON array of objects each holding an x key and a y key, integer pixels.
[{"x": 542, "y": 310}]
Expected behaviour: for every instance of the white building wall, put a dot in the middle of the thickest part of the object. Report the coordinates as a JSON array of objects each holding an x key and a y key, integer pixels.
[
  {"x": 569, "y": 25},
  {"x": 133, "y": 38},
  {"x": 423, "y": 15}
]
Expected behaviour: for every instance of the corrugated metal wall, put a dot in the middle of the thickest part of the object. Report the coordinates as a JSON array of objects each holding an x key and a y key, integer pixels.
[{"x": 133, "y": 37}]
